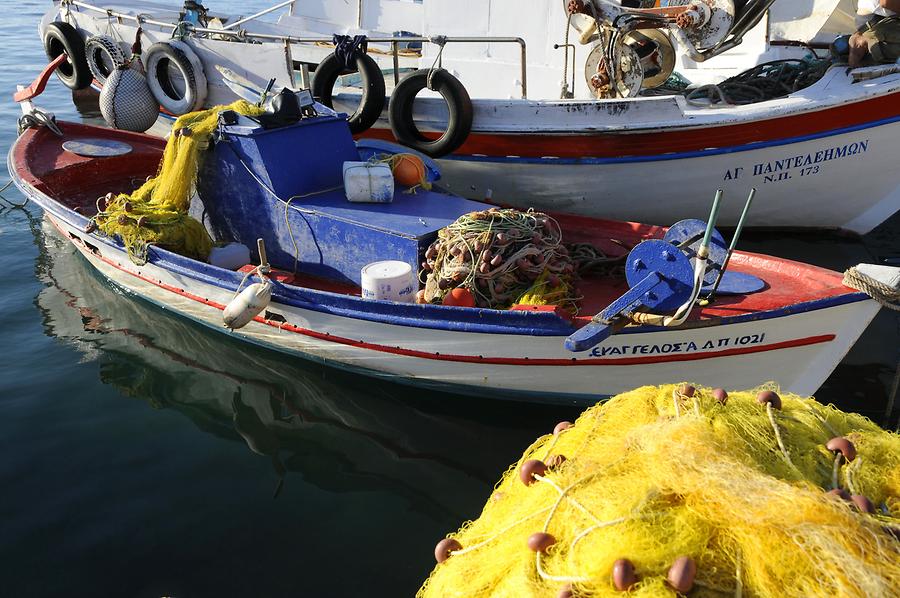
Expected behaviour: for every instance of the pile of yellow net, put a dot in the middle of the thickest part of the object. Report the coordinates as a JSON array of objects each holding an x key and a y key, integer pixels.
[
  {"x": 157, "y": 212},
  {"x": 734, "y": 491}
]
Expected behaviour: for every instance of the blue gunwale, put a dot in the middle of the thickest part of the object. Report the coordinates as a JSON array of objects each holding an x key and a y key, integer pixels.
[{"x": 456, "y": 319}]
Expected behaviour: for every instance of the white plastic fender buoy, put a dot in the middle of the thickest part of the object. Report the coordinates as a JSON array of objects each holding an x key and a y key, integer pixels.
[{"x": 246, "y": 306}]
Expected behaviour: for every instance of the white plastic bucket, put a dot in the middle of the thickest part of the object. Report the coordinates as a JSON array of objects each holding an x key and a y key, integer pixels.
[
  {"x": 368, "y": 183},
  {"x": 389, "y": 280}
]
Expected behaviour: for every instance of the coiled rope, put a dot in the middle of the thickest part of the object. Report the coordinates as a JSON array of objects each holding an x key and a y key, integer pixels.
[{"x": 767, "y": 81}]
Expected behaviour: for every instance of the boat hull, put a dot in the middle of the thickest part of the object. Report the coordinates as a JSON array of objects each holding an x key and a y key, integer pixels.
[
  {"x": 801, "y": 183},
  {"x": 820, "y": 157},
  {"x": 795, "y": 350}
]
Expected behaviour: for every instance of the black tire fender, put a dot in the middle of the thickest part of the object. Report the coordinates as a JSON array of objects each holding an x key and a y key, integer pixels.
[
  {"x": 458, "y": 102},
  {"x": 62, "y": 38},
  {"x": 372, "y": 102},
  {"x": 157, "y": 60},
  {"x": 103, "y": 56}
]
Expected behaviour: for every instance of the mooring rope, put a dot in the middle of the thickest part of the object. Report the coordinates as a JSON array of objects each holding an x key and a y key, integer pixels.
[
  {"x": 884, "y": 294},
  {"x": 11, "y": 204}
]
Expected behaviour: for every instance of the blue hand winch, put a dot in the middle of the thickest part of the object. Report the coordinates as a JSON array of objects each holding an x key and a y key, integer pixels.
[{"x": 664, "y": 276}]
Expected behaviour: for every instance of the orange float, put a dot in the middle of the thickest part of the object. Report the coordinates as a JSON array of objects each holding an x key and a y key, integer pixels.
[
  {"x": 460, "y": 297},
  {"x": 408, "y": 169}
]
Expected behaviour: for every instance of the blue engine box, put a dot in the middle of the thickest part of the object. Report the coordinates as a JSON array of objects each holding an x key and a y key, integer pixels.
[{"x": 285, "y": 185}]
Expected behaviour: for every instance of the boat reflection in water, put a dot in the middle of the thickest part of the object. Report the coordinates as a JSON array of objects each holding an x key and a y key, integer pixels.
[{"x": 341, "y": 431}]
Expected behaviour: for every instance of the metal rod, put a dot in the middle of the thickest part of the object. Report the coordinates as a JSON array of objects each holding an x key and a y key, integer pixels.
[
  {"x": 734, "y": 241},
  {"x": 260, "y": 13},
  {"x": 395, "y": 50},
  {"x": 315, "y": 40},
  {"x": 713, "y": 216}
]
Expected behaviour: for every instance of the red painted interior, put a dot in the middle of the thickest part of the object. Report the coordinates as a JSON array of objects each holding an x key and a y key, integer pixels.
[{"x": 76, "y": 182}]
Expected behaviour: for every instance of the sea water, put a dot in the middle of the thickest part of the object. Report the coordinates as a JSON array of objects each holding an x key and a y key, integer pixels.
[{"x": 143, "y": 456}]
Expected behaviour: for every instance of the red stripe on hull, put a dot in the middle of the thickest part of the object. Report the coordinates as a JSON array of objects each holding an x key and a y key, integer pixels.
[
  {"x": 801, "y": 342},
  {"x": 624, "y": 144}
]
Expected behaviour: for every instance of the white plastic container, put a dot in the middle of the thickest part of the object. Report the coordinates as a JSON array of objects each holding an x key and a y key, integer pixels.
[
  {"x": 389, "y": 280},
  {"x": 368, "y": 183},
  {"x": 231, "y": 257}
]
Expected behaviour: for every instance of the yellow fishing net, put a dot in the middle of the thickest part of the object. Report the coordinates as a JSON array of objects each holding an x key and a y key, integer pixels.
[
  {"x": 157, "y": 212},
  {"x": 740, "y": 489}
]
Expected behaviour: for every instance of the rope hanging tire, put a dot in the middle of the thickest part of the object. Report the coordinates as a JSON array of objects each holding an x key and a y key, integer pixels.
[
  {"x": 160, "y": 58},
  {"x": 341, "y": 62},
  {"x": 103, "y": 56},
  {"x": 62, "y": 38},
  {"x": 459, "y": 123}
]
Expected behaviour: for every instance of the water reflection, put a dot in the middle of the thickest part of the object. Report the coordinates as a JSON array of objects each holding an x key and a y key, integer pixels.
[{"x": 341, "y": 431}]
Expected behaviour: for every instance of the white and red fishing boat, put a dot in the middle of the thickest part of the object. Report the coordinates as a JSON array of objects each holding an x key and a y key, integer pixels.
[
  {"x": 771, "y": 319},
  {"x": 515, "y": 123}
]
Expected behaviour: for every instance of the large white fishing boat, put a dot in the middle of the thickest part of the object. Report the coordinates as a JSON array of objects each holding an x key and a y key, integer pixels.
[{"x": 562, "y": 106}]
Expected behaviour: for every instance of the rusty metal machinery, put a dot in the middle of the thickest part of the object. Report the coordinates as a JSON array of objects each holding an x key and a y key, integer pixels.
[{"x": 632, "y": 44}]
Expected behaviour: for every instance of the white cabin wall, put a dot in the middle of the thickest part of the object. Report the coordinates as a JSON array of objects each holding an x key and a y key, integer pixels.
[
  {"x": 379, "y": 17},
  {"x": 801, "y": 20},
  {"x": 493, "y": 69}
]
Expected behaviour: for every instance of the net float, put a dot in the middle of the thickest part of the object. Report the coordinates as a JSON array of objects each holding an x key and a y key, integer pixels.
[
  {"x": 554, "y": 461},
  {"x": 540, "y": 542},
  {"x": 682, "y": 573},
  {"x": 769, "y": 397},
  {"x": 562, "y": 427},
  {"x": 841, "y": 445},
  {"x": 565, "y": 591},
  {"x": 531, "y": 468},
  {"x": 840, "y": 493},
  {"x": 623, "y": 575},
  {"x": 687, "y": 390},
  {"x": 445, "y": 549},
  {"x": 460, "y": 297},
  {"x": 862, "y": 503},
  {"x": 720, "y": 395}
]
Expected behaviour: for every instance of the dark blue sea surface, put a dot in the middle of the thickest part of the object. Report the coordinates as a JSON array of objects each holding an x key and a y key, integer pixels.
[{"x": 140, "y": 456}]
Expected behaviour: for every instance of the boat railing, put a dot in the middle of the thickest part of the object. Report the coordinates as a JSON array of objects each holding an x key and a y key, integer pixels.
[{"x": 242, "y": 35}]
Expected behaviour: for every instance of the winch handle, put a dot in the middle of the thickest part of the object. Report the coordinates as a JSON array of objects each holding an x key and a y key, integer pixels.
[
  {"x": 734, "y": 241},
  {"x": 711, "y": 224},
  {"x": 608, "y": 321}
]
